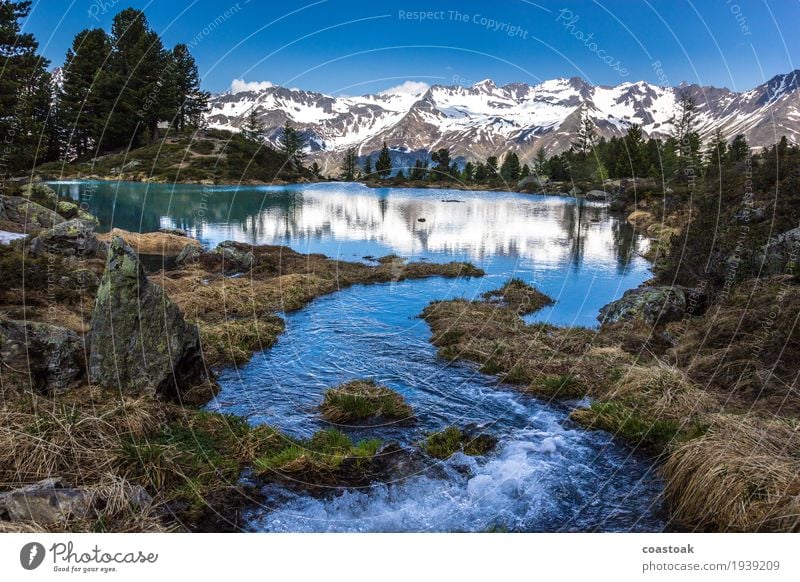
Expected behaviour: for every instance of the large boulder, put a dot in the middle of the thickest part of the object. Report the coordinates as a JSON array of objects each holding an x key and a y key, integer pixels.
[
  {"x": 781, "y": 255},
  {"x": 70, "y": 210},
  {"x": 75, "y": 237},
  {"x": 652, "y": 305},
  {"x": 140, "y": 342},
  {"x": 40, "y": 357},
  {"x": 46, "y": 502},
  {"x": 40, "y": 193},
  {"x": 190, "y": 254},
  {"x": 30, "y": 215}
]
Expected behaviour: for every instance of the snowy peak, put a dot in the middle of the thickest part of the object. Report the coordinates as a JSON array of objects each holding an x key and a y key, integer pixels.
[{"x": 485, "y": 119}]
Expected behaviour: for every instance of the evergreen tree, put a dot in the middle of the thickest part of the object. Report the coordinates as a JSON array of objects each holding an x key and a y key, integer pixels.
[
  {"x": 383, "y": 166},
  {"x": 368, "y": 167},
  {"x": 480, "y": 172},
  {"x": 291, "y": 145},
  {"x": 83, "y": 105},
  {"x": 141, "y": 76},
  {"x": 420, "y": 170},
  {"x": 491, "y": 167},
  {"x": 686, "y": 138},
  {"x": 468, "y": 174},
  {"x": 316, "y": 171},
  {"x": 350, "y": 165},
  {"x": 634, "y": 146},
  {"x": 191, "y": 101},
  {"x": 26, "y": 94},
  {"x": 441, "y": 171},
  {"x": 540, "y": 165},
  {"x": 525, "y": 172},
  {"x": 510, "y": 169},
  {"x": 717, "y": 151},
  {"x": 584, "y": 141},
  {"x": 739, "y": 149},
  {"x": 252, "y": 128}
]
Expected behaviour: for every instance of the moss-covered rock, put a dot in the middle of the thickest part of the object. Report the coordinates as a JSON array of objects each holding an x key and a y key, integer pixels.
[
  {"x": 140, "y": 342},
  {"x": 74, "y": 237},
  {"x": 470, "y": 441},
  {"x": 40, "y": 193},
  {"x": 29, "y": 215},
  {"x": 652, "y": 305},
  {"x": 41, "y": 357}
]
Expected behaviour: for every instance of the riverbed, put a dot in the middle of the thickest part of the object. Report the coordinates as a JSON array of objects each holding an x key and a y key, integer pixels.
[{"x": 546, "y": 474}]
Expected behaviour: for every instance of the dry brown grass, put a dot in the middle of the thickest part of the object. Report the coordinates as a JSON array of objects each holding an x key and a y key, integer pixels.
[
  {"x": 151, "y": 243},
  {"x": 742, "y": 475}
]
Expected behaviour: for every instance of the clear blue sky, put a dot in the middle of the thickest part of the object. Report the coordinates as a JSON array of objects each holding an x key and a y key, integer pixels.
[{"x": 348, "y": 47}]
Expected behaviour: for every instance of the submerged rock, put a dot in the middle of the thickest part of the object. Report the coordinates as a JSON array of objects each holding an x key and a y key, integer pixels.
[
  {"x": 781, "y": 255},
  {"x": 41, "y": 357},
  {"x": 597, "y": 195},
  {"x": 649, "y": 304},
  {"x": 140, "y": 342},
  {"x": 72, "y": 238}
]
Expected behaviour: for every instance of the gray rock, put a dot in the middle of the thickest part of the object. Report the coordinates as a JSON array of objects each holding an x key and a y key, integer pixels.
[
  {"x": 781, "y": 255},
  {"x": 74, "y": 237},
  {"x": 597, "y": 195},
  {"x": 574, "y": 191},
  {"x": 175, "y": 231},
  {"x": 236, "y": 257},
  {"x": 29, "y": 214},
  {"x": 750, "y": 216},
  {"x": 140, "y": 342},
  {"x": 617, "y": 204},
  {"x": 46, "y": 502},
  {"x": 40, "y": 357},
  {"x": 189, "y": 254},
  {"x": 651, "y": 305},
  {"x": 40, "y": 193},
  {"x": 536, "y": 181}
]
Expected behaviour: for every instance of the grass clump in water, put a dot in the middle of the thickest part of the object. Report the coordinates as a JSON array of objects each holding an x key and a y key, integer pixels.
[
  {"x": 516, "y": 294},
  {"x": 443, "y": 444},
  {"x": 363, "y": 400}
]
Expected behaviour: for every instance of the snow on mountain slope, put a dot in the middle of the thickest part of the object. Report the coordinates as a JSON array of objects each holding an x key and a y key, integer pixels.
[{"x": 484, "y": 119}]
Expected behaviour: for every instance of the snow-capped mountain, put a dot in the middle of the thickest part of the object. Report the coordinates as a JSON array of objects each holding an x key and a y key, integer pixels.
[{"x": 484, "y": 119}]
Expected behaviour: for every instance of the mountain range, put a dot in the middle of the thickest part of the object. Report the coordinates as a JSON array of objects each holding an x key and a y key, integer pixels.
[{"x": 485, "y": 119}]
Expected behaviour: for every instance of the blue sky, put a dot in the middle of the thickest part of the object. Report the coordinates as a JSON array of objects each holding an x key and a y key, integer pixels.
[{"x": 347, "y": 47}]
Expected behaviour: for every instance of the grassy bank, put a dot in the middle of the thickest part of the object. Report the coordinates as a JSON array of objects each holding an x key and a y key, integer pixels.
[{"x": 716, "y": 402}]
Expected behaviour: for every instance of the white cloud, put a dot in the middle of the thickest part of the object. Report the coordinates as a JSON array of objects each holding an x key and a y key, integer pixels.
[
  {"x": 239, "y": 85},
  {"x": 409, "y": 87}
]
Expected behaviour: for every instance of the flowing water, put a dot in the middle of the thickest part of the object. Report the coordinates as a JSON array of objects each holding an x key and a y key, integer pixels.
[{"x": 546, "y": 474}]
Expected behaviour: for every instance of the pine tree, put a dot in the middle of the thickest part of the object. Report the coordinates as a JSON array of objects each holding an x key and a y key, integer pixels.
[
  {"x": 420, "y": 170},
  {"x": 510, "y": 169},
  {"x": 291, "y": 146},
  {"x": 441, "y": 171},
  {"x": 584, "y": 141},
  {"x": 540, "y": 165},
  {"x": 26, "y": 95},
  {"x": 368, "y": 167},
  {"x": 383, "y": 166},
  {"x": 480, "y": 172},
  {"x": 316, "y": 171},
  {"x": 717, "y": 151},
  {"x": 491, "y": 167},
  {"x": 191, "y": 101},
  {"x": 468, "y": 174},
  {"x": 350, "y": 165},
  {"x": 739, "y": 149},
  {"x": 83, "y": 106},
  {"x": 252, "y": 128},
  {"x": 525, "y": 172},
  {"x": 634, "y": 144},
  {"x": 686, "y": 138},
  {"x": 141, "y": 77}
]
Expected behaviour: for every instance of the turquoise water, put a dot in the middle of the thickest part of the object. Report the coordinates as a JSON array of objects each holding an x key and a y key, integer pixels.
[{"x": 546, "y": 474}]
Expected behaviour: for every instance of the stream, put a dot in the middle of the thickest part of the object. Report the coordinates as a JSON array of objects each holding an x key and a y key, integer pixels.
[{"x": 546, "y": 474}]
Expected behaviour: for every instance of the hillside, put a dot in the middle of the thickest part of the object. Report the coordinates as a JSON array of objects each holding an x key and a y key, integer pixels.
[{"x": 211, "y": 156}]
